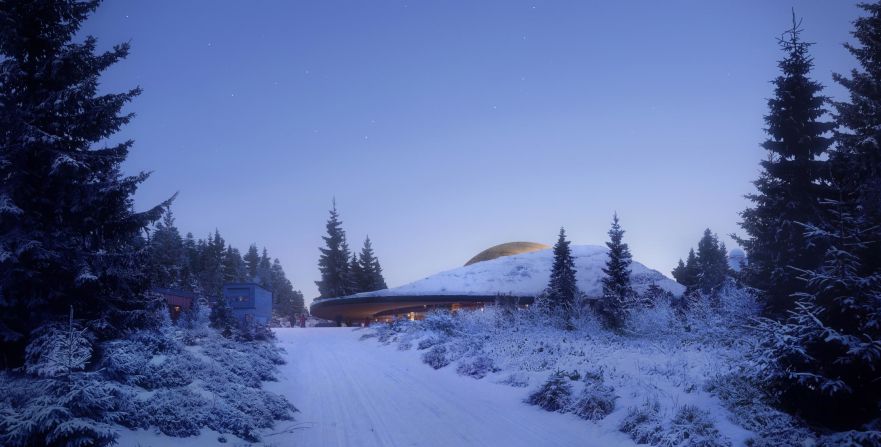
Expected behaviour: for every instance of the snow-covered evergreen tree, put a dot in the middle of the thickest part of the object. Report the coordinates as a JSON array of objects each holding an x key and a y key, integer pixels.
[
  {"x": 69, "y": 235},
  {"x": 287, "y": 302},
  {"x": 234, "y": 268},
  {"x": 857, "y": 157},
  {"x": 793, "y": 179},
  {"x": 562, "y": 289},
  {"x": 252, "y": 261},
  {"x": 167, "y": 258},
  {"x": 334, "y": 260},
  {"x": 617, "y": 289},
  {"x": 368, "y": 273},
  {"x": 823, "y": 362},
  {"x": 687, "y": 273},
  {"x": 57, "y": 350},
  {"x": 264, "y": 270},
  {"x": 711, "y": 263}
]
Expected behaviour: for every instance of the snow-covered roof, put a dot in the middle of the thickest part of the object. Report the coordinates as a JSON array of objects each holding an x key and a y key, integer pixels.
[{"x": 525, "y": 274}]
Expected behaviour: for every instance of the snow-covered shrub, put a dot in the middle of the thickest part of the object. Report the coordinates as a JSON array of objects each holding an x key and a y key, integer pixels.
[
  {"x": 78, "y": 411},
  {"x": 692, "y": 427},
  {"x": 175, "y": 412},
  {"x": 659, "y": 319},
  {"x": 387, "y": 333},
  {"x": 173, "y": 370},
  {"x": 596, "y": 400},
  {"x": 125, "y": 360},
  {"x": 478, "y": 368},
  {"x": 426, "y": 343},
  {"x": 750, "y": 408},
  {"x": 57, "y": 349},
  {"x": 441, "y": 322},
  {"x": 643, "y": 423},
  {"x": 851, "y": 438},
  {"x": 242, "y": 411},
  {"x": 436, "y": 357},
  {"x": 554, "y": 395},
  {"x": 517, "y": 380}
]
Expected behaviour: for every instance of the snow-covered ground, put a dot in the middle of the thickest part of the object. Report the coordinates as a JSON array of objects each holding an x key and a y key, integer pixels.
[
  {"x": 363, "y": 393},
  {"x": 527, "y": 274}
]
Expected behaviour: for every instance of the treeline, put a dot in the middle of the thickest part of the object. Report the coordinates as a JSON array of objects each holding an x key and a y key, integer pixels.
[
  {"x": 204, "y": 265},
  {"x": 342, "y": 272}
]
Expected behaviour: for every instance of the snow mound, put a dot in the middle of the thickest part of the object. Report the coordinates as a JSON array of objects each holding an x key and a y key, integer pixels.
[{"x": 526, "y": 274}]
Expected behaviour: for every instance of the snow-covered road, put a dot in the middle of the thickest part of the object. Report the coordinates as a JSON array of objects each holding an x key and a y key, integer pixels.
[{"x": 360, "y": 393}]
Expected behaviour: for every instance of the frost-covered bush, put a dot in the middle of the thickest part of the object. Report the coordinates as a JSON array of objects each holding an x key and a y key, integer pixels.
[
  {"x": 125, "y": 360},
  {"x": 692, "y": 427},
  {"x": 173, "y": 370},
  {"x": 78, "y": 411},
  {"x": 441, "y": 322},
  {"x": 478, "y": 367},
  {"x": 554, "y": 395},
  {"x": 387, "y": 333},
  {"x": 176, "y": 412},
  {"x": 659, "y": 319},
  {"x": 750, "y": 408},
  {"x": 596, "y": 400},
  {"x": 643, "y": 423},
  {"x": 57, "y": 349},
  {"x": 517, "y": 380},
  {"x": 436, "y": 357},
  {"x": 426, "y": 343}
]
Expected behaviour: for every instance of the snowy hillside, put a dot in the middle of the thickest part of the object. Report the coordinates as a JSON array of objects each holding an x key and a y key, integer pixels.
[{"x": 526, "y": 275}]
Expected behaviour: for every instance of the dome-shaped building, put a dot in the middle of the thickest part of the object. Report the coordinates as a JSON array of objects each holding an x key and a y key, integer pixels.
[{"x": 516, "y": 270}]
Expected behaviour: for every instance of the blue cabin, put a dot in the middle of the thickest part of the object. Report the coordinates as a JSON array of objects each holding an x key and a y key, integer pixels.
[{"x": 249, "y": 302}]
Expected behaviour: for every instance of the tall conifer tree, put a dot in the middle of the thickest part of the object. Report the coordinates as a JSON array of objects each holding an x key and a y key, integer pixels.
[
  {"x": 823, "y": 362},
  {"x": 69, "y": 235},
  {"x": 334, "y": 260},
  {"x": 369, "y": 272},
  {"x": 857, "y": 158},
  {"x": 793, "y": 180},
  {"x": 712, "y": 262},
  {"x": 617, "y": 289},
  {"x": 562, "y": 288},
  {"x": 252, "y": 261}
]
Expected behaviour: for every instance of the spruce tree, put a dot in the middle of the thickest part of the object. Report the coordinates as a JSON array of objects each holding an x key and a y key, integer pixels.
[
  {"x": 69, "y": 235},
  {"x": 857, "y": 158},
  {"x": 617, "y": 290},
  {"x": 287, "y": 302},
  {"x": 212, "y": 254},
  {"x": 370, "y": 277},
  {"x": 823, "y": 362},
  {"x": 687, "y": 273},
  {"x": 712, "y": 263},
  {"x": 793, "y": 179},
  {"x": 562, "y": 289},
  {"x": 357, "y": 277},
  {"x": 252, "y": 261},
  {"x": 264, "y": 270},
  {"x": 167, "y": 256},
  {"x": 334, "y": 260},
  {"x": 234, "y": 268}
]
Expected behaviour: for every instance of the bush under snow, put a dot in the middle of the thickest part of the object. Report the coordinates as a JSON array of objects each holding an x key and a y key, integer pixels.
[
  {"x": 174, "y": 380},
  {"x": 554, "y": 395}
]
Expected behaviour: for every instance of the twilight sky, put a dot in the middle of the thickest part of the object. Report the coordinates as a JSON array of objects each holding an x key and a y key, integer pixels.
[{"x": 444, "y": 128}]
